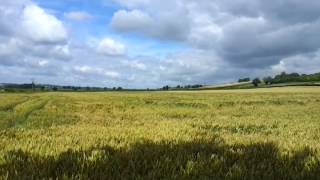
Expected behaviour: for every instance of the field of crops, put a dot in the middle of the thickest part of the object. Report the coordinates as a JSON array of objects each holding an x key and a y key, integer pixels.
[{"x": 238, "y": 134}]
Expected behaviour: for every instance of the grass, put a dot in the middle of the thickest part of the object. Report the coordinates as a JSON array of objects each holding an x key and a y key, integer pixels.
[
  {"x": 268, "y": 133},
  {"x": 241, "y": 85},
  {"x": 249, "y": 85}
]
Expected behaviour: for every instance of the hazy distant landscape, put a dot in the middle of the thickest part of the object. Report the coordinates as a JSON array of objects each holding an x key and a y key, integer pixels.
[{"x": 281, "y": 80}]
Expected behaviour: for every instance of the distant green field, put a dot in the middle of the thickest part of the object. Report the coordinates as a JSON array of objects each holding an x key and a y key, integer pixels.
[
  {"x": 249, "y": 85},
  {"x": 268, "y": 133}
]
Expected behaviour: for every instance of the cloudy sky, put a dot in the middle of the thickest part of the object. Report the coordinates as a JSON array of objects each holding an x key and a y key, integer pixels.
[{"x": 151, "y": 43}]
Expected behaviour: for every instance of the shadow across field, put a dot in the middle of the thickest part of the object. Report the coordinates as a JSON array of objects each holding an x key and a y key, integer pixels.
[{"x": 198, "y": 159}]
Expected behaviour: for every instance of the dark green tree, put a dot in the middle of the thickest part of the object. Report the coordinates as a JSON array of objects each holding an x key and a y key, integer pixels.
[
  {"x": 256, "y": 82},
  {"x": 244, "y": 80},
  {"x": 165, "y": 88},
  {"x": 267, "y": 80}
]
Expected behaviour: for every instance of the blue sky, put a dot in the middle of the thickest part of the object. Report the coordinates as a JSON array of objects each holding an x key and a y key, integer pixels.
[
  {"x": 152, "y": 43},
  {"x": 102, "y": 12}
]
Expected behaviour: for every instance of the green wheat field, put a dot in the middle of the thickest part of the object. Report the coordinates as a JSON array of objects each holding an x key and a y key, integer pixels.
[{"x": 224, "y": 134}]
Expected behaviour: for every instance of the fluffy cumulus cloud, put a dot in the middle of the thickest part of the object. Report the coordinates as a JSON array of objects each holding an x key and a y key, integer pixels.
[
  {"x": 151, "y": 43},
  {"x": 110, "y": 47},
  {"x": 245, "y": 33},
  {"x": 95, "y": 70},
  {"x": 33, "y": 42},
  {"x": 163, "y": 26},
  {"x": 31, "y": 32},
  {"x": 303, "y": 63},
  {"x": 42, "y": 27},
  {"x": 135, "y": 65}
]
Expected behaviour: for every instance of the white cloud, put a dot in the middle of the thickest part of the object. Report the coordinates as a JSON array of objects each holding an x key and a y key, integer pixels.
[
  {"x": 245, "y": 33},
  {"x": 131, "y": 21},
  {"x": 161, "y": 26},
  {"x": 112, "y": 74},
  {"x": 110, "y": 47},
  {"x": 96, "y": 72},
  {"x": 84, "y": 69},
  {"x": 43, "y": 63},
  {"x": 302, "y": 63},
  {"x": 42, "y": 27},
  {"x": 199, "y": 36},
  {"x": 191, "y": 67},
  {"x": 78, "y": 16},
  {"x": 135, "y": 65}
]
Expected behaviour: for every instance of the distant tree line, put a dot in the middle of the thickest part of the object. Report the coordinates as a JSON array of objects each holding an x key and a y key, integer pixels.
[
  {"x": 284, "y": 78},
  {"x": 292, "y": 77},
  {"x": 277, "y": 79},
  {"x": 244, "y": 80},
  {"x": 43, "y": 87},
  {"x": 181, "y": 87}
]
